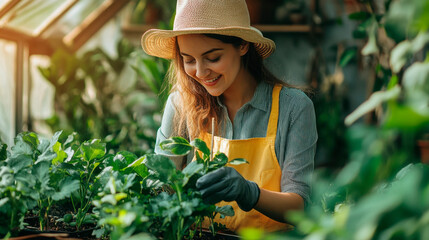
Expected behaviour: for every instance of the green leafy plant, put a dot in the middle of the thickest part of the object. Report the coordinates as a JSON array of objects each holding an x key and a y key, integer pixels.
[
  {"x": 153, "y": 72},
  {"x": 28, "y": 180},
  {"x": 83, "y": 165},
  {"x": 169, "y": 205}
]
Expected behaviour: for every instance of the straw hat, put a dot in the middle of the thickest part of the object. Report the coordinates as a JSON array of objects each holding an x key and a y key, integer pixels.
[{"x": 225, "y": 17}]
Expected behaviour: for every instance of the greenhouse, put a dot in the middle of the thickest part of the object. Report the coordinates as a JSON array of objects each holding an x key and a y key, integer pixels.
[{"x": 214, "y": 119}]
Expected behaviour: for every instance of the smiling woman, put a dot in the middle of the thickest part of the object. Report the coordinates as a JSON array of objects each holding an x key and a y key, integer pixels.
[
  {"x": 214, "y": 64},
  {"x": 218, "y": 73}
]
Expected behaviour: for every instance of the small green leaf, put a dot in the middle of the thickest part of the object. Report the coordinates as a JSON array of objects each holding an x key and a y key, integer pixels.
[
  {"x": 226, "y": 210},
  {"x": 61, "y": 155},
  {"x": 176, "y": 145},
  {"x": 68, "y": 218},
  {"x": 93, "y": 150},
  {"x": 192, "y": 168},
  {"x": 129, "y": 157},
  {"x": 138, "y": 167},
  {"x": 199, "y": 159},
  {"x": 221, "y": 158},
  {"x": 70, "y": 139},
  {"x": 66, "y": 188},
  {"x": 201, "y": 145},
  {"x": 347, "y": 56},
  {"x": 31, "y": 138},
  {"x": 118, "y": 162},
  {"x": 359, "y": 16},
  {"x": 238, "y": 161}
]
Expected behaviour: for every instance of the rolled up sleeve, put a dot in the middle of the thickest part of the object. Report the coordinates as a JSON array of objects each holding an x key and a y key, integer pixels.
[{"x": 298, "y": 146}]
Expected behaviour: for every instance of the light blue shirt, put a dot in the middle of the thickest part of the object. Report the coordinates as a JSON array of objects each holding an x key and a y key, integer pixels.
[{"x": 296, "y": 138}]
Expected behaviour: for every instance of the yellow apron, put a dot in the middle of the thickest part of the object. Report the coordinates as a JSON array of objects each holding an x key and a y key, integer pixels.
[{"x": 263, "y": 168}]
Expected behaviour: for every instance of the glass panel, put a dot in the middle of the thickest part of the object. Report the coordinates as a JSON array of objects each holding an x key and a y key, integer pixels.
[
  {"x": 27, "y": 15},
  {"x": 73, "y": 18},
  {"x": 3, "y": 3},
  {"x": 7, "y": 91}
]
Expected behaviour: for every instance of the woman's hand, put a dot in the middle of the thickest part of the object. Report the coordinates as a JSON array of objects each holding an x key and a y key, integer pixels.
[{"x": 228, "y": 185}]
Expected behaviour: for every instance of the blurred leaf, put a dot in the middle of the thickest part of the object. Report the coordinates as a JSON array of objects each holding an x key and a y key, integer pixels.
[
  {"x": 347, "y": 56},
  {"x": 400, "y": 54},
  {"x": 16, "y": 163},
  {"x": 359, "y": 16},
  {"x": 371, "y": 46},
  {"x": 369, "y": 105},
  {"x": 3, "y": 151},
  {"x": 141, "y": 236},
  {"x": 404, "y": 117},
  {"x": 226, "y": 210},
  {"x": 238, "y": 161},
  {"x": 401, "y": 21},
  {"x": 416, "y": 87},
  {"x": 252, "y": 234},
  {"x": 192, "y": 168},
  {"x": 162, "y": 165}
]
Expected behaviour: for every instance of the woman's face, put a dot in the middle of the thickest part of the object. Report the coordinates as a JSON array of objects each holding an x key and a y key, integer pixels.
[{"x": 214, "y": 64}]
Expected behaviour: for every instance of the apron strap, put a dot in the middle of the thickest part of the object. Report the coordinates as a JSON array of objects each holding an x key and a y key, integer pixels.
[{"x": 274, "y": 115}]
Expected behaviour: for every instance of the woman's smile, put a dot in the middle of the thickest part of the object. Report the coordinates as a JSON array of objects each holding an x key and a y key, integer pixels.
[{"x": 211, "y": 81}]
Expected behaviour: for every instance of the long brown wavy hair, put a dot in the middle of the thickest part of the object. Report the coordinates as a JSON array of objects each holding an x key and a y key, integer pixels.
[{"x": 196, "y": 106}]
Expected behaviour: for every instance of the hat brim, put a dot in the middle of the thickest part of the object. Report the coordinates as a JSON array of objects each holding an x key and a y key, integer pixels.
[{"x": 161, "y": 43}]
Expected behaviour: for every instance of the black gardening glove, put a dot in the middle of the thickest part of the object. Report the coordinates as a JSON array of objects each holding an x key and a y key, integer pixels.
[{"x": 228, "y": 185}]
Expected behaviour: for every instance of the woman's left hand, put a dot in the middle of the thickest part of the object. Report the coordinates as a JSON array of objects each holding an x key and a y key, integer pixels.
[{"x": 228, "y": 185}]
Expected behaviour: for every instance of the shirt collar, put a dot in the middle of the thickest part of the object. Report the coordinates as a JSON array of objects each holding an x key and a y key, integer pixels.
[{"x": 261, "y": 98}]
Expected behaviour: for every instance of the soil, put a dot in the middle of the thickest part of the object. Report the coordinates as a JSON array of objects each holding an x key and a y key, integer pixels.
[
  {"x": 55, "y": 229},
  {"x": 60, "y": 230}
]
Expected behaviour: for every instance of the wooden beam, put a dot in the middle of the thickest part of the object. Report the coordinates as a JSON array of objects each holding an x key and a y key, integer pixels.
[
  {"x": 19, "y": 85},
  {"x": 8, "y": 6},
  {"x": 82, "y": 33},
  {"x": 35, "y": 45},
  {"x": 286, "y": 28},
  {"x": 54, "y": 17},
  {"x": 13, "y": 34}
]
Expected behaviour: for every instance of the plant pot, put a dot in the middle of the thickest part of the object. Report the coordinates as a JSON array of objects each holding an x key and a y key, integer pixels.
[{"x": 424, "y": 150}]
